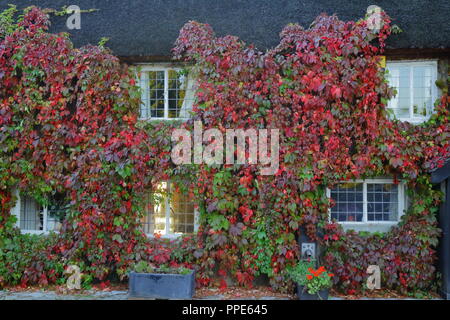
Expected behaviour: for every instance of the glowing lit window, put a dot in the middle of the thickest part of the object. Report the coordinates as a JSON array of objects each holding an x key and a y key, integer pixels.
[{"x": 169, "y": 212}]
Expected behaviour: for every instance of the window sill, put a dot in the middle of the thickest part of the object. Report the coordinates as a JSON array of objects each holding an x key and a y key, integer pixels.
[
  {"x": 150, "y": 236},
  {"x": 164, "y": 119},
  {"x": 37, "y": 232},
  {"x": 382, "y": 226},
  {"x": 413, "y": 121},
  {"x": 170, "y": 236}
]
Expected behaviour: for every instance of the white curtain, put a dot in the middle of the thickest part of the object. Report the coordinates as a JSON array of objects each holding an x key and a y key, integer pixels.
[{"x": 189, "y": 97}]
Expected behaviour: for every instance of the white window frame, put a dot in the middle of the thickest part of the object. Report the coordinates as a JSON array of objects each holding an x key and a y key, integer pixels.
[
  {"x": 16, "y": 212},
  {"x": 144, "y": 69},
  {"x": 434, "y": 90},
  {"x": 366, "y": 225},
  {"x": 168, "y": 235}
]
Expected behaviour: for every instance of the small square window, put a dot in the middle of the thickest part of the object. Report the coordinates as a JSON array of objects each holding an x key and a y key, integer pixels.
[
  {"x": 167, "y": 93},
  {"x": 367, "y": 201},
  {"x": 169, "y": 212},
  {"x": 416, "y": 91},
  {"x": 35, "y": 218}
]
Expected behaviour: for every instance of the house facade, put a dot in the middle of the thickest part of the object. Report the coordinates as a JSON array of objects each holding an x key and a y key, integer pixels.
[{"x": 142, "y": 34}]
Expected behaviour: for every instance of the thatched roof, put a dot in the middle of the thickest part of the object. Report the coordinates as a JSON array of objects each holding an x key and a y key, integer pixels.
[{"x": 148, "y": 28}]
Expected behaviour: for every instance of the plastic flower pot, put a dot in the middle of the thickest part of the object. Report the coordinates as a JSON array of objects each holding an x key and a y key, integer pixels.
[
  {"x": 161, "y": 286},
  {"x": 303, "y": 294}
]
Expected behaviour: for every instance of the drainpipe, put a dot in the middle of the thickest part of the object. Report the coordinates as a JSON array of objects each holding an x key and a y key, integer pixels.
[{"x": 444, "y": 245}]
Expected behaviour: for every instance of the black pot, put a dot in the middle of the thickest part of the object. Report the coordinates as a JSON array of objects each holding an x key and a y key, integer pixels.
[
  {"x": 303, "y": 294},
  {"x": 161, "y": 286}
]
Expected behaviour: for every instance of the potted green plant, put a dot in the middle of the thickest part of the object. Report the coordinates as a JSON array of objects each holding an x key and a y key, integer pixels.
[
  {"x": 312, "y": 284},
  {"x": 147, "y": 281}
]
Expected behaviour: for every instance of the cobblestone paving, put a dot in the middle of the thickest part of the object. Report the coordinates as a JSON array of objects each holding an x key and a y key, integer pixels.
[
  {"x": 95, "y": 295},
  {"x": 122, "y": 295},
  {"x": 51, "y": 295}
]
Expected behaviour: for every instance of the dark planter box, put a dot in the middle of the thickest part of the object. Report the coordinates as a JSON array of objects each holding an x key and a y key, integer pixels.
[
  {"x": 302, "y": 294},
  {"x": 161, "y": 286}
]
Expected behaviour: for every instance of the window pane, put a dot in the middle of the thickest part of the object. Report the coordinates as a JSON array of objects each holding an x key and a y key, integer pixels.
[
  {"x": 156, "y": 93},
  {"x": 399, "y": 78},
  {"x": 56, "y": 212},
  {"x": 144, "y": 109},
  {"x": 155, "y": 211},
  {"x": 181, "y": 212},
  {"x": 382, "y": 202},
  {"x": 349, "y": 202},
  {"x": 31, "y": 215},
  {"x": 148, "y": 221},
  {"x": 177, "y": 93},
  {"x": 422, "y": 103}
]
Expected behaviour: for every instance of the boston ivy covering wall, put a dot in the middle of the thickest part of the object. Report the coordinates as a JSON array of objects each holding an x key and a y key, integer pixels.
[
  {"x": 324, "y": 89},
  {"x": 68, "y": 125}
]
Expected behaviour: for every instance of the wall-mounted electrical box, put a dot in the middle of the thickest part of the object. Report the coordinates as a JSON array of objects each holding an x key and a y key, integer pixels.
[{"x": 308, "y": 250}]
